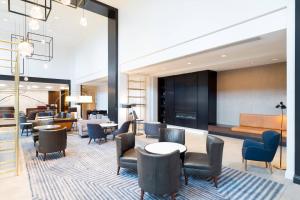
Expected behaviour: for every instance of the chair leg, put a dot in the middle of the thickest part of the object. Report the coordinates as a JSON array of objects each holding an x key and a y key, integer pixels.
[
  {"x": 173, "y": 196},
  {"x": 64, "y": 152},
  {"x": 270, "y": 166},
  {"x": 142, "y": 194},
  {"x": 215, "y": 179},
  {"x": 36, "y": 153},
  {"x": 245, "y": 165},
  {"x": 45, "y": 156},
  {"x": 118, "y": 170},
  {"x": 186, "y": 180},
  {"x": 90, "y": 140},
  {"x": 266, "y": 165}
]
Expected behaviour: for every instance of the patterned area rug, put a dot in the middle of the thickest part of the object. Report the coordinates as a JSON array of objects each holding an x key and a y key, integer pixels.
[{"x": 89, "y": 172}]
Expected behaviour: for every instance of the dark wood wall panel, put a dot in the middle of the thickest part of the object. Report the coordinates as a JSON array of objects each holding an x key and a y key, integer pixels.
[{"x": 188, "y": 100}]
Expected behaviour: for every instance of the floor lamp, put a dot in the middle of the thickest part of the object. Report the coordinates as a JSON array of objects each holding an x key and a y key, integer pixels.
[{"x": 282, "y": 107}]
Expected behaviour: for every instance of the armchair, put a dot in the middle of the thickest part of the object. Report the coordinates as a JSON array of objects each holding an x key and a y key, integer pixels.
[
  {"x": 207, "y": 165},
  {"x": 126, "y": 154},
  {"x": 51, "y": 141},
  {"x": 152, "y": 128},
  {"x": 95, "y": 131},
  {"x": 158, "y": 174},
  {"x": 261, "y": 151},
  {"x": 172, "y": 135}
]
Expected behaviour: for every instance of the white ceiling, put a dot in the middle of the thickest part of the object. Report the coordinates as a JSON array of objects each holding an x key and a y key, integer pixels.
[
  {"x": 63, "y": 24},
  {"x": 266, "y": 49},
  {"x": 6, "y": 86}
]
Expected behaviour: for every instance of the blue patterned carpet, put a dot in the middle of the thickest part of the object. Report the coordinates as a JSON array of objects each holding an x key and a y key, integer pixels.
[{"x": 89, "y": 172}]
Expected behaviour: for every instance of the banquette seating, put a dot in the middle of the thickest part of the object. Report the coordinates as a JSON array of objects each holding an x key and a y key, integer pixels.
[{"x": 258, "y": 124}]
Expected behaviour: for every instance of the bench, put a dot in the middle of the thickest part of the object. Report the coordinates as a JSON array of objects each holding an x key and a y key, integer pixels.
[{"x": 257, "y": 124}]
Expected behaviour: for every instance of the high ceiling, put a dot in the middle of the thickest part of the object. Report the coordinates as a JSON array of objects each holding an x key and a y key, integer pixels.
[
  {"x": 63, "y": 24},
  {"x": 6, "y": 86},
  {"x": 263, "y": 50}
]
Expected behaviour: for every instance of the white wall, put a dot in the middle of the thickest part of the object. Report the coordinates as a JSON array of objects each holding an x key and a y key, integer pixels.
[
  {"x": 255, "y": 90},
  {"x": 102, "y": 97},
  {"x": 152, "y": 31}
]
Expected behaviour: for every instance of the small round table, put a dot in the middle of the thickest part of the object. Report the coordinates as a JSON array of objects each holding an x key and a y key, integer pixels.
[
  {"x": 108, "y": 125},
  {"x": 163, "y": 148},
  {"x": 46, "y": 127}
]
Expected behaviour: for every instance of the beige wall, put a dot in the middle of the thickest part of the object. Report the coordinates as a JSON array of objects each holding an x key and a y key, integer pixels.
[{"x": 254, "y": 90}]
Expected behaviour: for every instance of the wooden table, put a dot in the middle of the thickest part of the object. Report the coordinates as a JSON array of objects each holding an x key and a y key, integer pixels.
[
  {"x": 47, "y": 127},
  {"x": 163, "y": 148}
]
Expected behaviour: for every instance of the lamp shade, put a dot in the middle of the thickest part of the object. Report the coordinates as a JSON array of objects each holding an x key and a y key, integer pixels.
[
  {"x": 79, "y": 99},
  {"x": 71, "y": 98}
]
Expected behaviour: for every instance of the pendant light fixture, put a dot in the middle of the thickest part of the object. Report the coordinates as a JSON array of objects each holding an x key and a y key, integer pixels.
[
  {"x": 83, "y": 20},
  {"x": 25, "y": 48}
]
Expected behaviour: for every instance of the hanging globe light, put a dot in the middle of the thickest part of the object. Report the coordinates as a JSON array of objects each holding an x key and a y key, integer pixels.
[
  {"x": 25, "y": 49},
  {"x": 36, "y": 12},
  {"x": 34, "y": 24},
  {"x": 83, "y": 21},
  {"x": 66, "y": 2}
]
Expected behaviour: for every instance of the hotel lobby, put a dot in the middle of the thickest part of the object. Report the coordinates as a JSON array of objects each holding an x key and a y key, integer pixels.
[{"x": 144, "y": 99}]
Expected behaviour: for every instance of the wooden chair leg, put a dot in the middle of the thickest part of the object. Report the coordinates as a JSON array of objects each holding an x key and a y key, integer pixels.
[
  {"x": 64, "y": 152},
  {"x": 142, "y": 194},
  {"x": 173, "y": 196},
  {"x": 45, "y": 156},
  {"x": 270, "y": 166},
  {"x": 36, "y": 153},
  {"x": 266, "y": 165},
  {"x": 90, "y": 140},
  {"x": 245, "y": 165},
  {"x": 186, "y": 180},
  {"x": 215, "y": 179},
  {"x": 118, "y": 170}
]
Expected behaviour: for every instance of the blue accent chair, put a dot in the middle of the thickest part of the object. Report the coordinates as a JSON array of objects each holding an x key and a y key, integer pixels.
[
  {"x": 124, "y": 129},
  {"x": 95, "y": 131},
  {"x": 261, "y": 151}
]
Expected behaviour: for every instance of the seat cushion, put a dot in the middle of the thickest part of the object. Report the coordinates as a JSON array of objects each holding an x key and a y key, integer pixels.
[
  {"x": 129, "y": 156},
  {"x": 196, "y": 161}
]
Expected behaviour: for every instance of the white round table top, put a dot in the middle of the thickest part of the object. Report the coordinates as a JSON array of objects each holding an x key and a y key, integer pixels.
[
  {"x": 47, "y": 127},
  {"x": 108, "y": 125},
  {"x": 163, "y": 148}
]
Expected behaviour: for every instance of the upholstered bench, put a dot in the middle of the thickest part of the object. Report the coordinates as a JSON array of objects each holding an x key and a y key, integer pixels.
[{"x": 257, "y": 124}]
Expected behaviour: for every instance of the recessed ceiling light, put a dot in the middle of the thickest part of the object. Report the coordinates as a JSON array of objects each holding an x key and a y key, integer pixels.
[
  {"x": 275, "y": 59},
  {"x": 223, "y": 56},
  {"x": 35, "y": 86},
  {"x": 21, "y": 86},
  {"x": 2, "y": 85},
  {"x": 189, "y": 63},
  {"x": 48, "y": 87},
  {"x": 45, "y": 66}
]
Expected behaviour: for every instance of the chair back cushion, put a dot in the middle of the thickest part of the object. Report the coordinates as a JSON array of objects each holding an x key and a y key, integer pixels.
[
  {"x": 271, "y": 140},
  {"x": 159, "y": 174},
  {"x": 172, "y": 135},
  {"x": 152, "y": 128},
  {"x": 214, "y": 147},
  {"x": 95, "y": 131},
  {"x": 52, "y": 140},
  {"x": 125, "y": 127}
]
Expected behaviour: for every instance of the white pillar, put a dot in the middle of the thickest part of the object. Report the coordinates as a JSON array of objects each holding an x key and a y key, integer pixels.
[
  {"x": 122, "y": 97},
  {"x": 290, "y": 160},
  {"x": 151, "y": 104}
]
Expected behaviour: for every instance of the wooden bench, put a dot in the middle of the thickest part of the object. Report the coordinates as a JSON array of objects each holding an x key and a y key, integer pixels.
[{"x": 257, "y": 124}]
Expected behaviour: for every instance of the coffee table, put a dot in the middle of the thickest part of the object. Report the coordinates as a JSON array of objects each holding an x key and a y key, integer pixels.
[{"x": 163, "y": 148}]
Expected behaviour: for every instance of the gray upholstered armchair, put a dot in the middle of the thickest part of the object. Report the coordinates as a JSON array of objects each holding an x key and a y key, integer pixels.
[
  {"x": 158, "y": 174},
  {"x": 206, "y": 165},
  {"x": 126, "y": 154},
  {"x": 172, "y": 135},
  {"x": 152, "y": 128},
  {"x": 51, "y": 141}
]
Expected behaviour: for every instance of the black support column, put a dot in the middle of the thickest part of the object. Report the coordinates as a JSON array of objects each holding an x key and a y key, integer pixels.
[{"x": 112, "y": 14}]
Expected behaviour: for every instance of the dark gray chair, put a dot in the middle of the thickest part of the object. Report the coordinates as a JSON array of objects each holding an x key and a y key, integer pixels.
[
  {"x": 159, "y": 174},
  {"x": 51, "y": 141},
  {"x": 23, "y": 127},
  {"x": 126, "y": 154},
  {"x": 95, "y": 131},
  {"x": 124, "y": 129},
  {"x": 152, "y": 129},
  {"x": 172, "y": 135},
  {"x": 206, "y": 165},
  {"x": 35, "y": 133}
]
